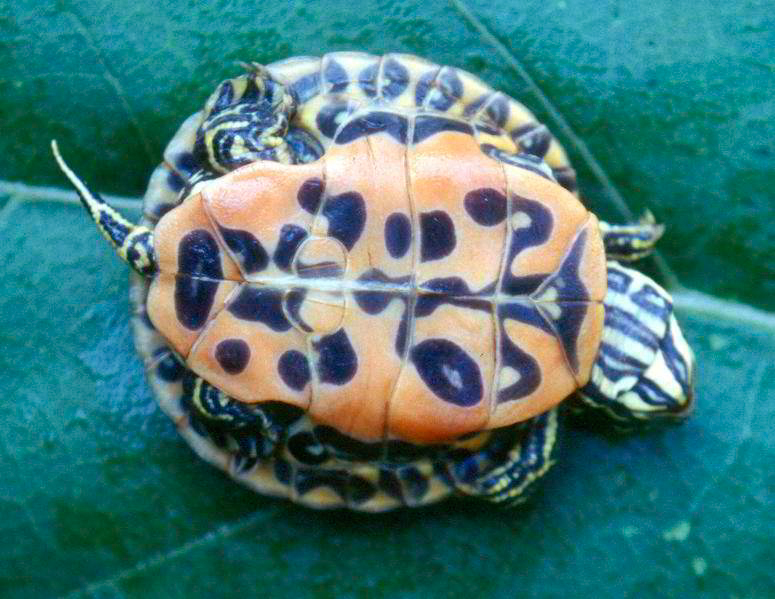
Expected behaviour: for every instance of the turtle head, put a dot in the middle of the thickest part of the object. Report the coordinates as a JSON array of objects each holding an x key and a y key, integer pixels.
[
  {"x": 644, "y": 369},
  {"x": 133, "y": 243},
  {"x": 245, "y": 120}
]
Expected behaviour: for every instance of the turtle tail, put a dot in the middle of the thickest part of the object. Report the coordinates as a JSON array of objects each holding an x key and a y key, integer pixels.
[{"x": 133, "y": 243}]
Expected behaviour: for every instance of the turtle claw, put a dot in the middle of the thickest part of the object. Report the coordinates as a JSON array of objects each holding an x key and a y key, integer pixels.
[{"x": 627, "y": 243}]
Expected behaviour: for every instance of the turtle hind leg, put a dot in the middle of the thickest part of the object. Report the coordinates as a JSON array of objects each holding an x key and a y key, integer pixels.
[
  {"x": 627, "y": 243},
  {"x": 248, "y": 431},
  {"x": 507, "y": 467},
  {"x": 244, "y": 120}
]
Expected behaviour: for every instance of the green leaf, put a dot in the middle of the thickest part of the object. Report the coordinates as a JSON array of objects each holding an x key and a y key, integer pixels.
[{"x": 665, "y": 104}]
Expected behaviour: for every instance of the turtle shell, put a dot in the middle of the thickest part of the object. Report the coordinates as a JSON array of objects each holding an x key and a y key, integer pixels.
[{"x": 404, "y": 285}]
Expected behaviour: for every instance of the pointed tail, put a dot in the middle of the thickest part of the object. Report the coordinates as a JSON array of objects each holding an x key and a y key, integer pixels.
[{"x": 132, "y": 243}]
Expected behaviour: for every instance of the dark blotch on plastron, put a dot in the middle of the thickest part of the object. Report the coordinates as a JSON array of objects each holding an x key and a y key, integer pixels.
[
  {"x": 337, "y": 362},
  {"x": 193, "y": 300},
  {"x": 572, "y": 297},
  {"x": 294, "y": 369},
  {"x": 291, "y": 237},
  {"x": 486, "y": 206},
  {"x": 233, "y": 355},
  {"x": 568, "y": 327},
  {"x": 513, "y": 357},
  {"x": 566, "y": 280},
  {"x": 246, "y": 248},
  {"x": 397, "y": 77},
  {"x": 402, "y": 334},
  {"x": 398, "y": 234},
  {"x": 310, "y": 193},
  {"x": 450, "y": 290},
  {"x": 260, "y": 304},
  {"x": 524, "y": 311},
  {"x": 346, "y": 214},
  {"x": 524, "y": 285},
  {"x": 375, "y": 301},
  {"x": 199, "y": 255},
  {"x": 536, "y": 232},
  {"x": 437, "y": 235},
  {"x": 335, "y": 75},
  {"x": 293, "y": 302},
  {"x": 426, "y": 126},
  {"x": 448, "y": 371}
]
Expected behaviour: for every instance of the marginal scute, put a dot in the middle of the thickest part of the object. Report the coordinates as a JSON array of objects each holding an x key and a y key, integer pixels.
[
  {"x": 310, "y": 193},
  {"x": 394, "y": 79}
]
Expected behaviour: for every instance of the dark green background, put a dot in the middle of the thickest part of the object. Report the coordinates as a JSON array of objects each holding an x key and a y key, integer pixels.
[{"x": 674, "y": 102}]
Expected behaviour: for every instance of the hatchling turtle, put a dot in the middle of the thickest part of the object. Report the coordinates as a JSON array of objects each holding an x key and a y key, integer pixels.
[{"x": 368, "y": 281}]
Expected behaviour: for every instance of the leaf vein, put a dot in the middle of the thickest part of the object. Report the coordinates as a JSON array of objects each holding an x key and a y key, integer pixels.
[
  {"x": 218, "y": 534},
  {"x": 562, "y": 125},
  {"x": 83, "y": 29}
]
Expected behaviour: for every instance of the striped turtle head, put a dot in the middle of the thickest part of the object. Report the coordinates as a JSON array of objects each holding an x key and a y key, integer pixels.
[
  {"x": 245, "y": 120},
  {"x": 645, "y": 368}
]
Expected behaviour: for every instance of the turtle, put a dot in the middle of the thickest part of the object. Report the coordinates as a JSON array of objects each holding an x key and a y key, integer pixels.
[{"x": 369, "y": 282}]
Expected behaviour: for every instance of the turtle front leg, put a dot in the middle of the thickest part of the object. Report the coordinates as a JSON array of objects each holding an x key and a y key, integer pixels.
[
  {"x": 627, "y": 243},
  {"x": 513, "y": 459},
  {"x": 246, "y": 119},
  {"x": 644, "y": 369}
]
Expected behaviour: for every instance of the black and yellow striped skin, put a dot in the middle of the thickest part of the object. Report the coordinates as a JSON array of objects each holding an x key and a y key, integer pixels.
[
  {"x": 132, "y": 243},
  {"x": 277, "y": 449}
]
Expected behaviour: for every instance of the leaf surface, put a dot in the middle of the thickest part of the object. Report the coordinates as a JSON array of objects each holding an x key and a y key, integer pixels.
[{"x": 662, "y": 105}]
